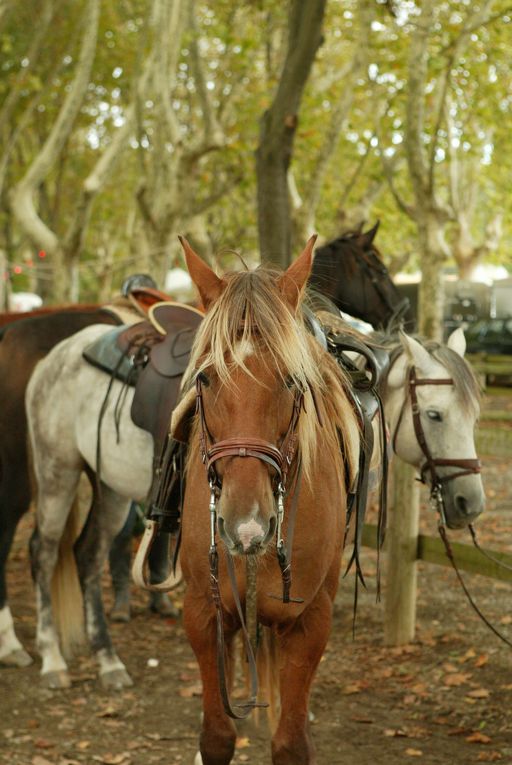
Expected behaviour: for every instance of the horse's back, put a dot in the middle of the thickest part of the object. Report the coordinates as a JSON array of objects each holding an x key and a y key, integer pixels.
[{"x": 67, "y": 401}]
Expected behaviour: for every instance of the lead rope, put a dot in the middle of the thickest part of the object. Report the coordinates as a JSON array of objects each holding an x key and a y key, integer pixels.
[
  {"x": 449, "y": 552},
  {"x": 484, "y": 552}
]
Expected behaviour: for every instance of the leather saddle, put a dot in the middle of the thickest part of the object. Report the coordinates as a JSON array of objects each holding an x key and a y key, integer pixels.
[{"x": 151, "y": 356}]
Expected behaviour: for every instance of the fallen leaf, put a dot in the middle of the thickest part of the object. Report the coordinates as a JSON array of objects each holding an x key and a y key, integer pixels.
[
  {"x": 109, "y": 711},
  {"x": 43, "y": 743},
  {"x": 360, "y": 719},
  {"x": 414, "y": 752},
  {"x": 482, "y": 660},
  {"x": 478, "y": 738},
  {"x": 456, "y": 678},
  {"x": 506, "y": 619},
  {"x": 479, "y": 693},
  {"x": 38, "y": 760},
  {"x": 82, "y": 745},
  {"x": 416, "y": 731},
  {"x": 242, "y": 743},
  {"x": 348, "y": 690},
  {"x": 395, "y": 733},
  {"x": 113, "y": 759},
  {"x": 489, "y": 756},
  {"x": 191, "y": 690}
]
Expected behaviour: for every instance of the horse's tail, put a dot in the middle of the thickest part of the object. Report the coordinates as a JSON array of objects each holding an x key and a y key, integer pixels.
[
  {"x": 67, "y": 599},
  {"x": 268, "y": 674}
]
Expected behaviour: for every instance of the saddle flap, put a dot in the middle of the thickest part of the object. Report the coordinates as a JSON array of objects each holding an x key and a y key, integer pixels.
[
  {"x": 177, "y": 325},
  {"x": 182, "y": 416}
]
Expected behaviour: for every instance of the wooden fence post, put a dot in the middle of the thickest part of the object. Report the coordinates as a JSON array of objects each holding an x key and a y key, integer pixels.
[{"x": 401, "y": 554}]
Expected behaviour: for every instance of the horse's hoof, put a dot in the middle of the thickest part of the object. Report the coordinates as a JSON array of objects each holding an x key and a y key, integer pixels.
[
  {"x": 116, "y": 680},
  {"x": 18, "y": 658},
  {"x": 198, "y": 760},
  {"x": 160, "y": 603},
  {"x": 120, "y": 612},
  {"x": 56, "y": 680}
]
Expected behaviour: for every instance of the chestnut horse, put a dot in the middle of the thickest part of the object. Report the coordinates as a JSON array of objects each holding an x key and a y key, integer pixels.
[{"x": 273, "y": 424}]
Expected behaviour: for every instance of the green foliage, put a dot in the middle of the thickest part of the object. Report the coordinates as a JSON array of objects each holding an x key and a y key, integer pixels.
[{"x": 242, "y": 47}]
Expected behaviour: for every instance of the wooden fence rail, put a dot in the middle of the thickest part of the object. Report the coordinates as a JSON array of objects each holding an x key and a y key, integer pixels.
[{"x": 468, "y": 558}]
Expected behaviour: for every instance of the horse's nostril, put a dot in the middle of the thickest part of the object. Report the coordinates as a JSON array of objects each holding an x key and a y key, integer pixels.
[{"x": 461, "y": 504}]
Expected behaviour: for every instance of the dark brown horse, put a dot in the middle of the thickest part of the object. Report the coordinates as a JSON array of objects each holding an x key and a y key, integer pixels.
[
  {"x": 350, "y": 272},
  {"x": 22, "y": 344}
]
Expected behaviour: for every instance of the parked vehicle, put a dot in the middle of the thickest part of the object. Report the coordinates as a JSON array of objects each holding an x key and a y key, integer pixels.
[{"x": 490, "y": 336}]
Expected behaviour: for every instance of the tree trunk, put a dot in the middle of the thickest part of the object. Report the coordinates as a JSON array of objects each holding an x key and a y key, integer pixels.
[
  {"x": 277, "y": 131},
  {"x": 431, "y": 294}
]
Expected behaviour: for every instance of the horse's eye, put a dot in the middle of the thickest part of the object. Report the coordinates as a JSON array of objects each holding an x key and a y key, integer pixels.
[
  {"x": 289, "y": 382},
  {"x": 432, "y": 414},
  {"x": 203, "y": 378}
]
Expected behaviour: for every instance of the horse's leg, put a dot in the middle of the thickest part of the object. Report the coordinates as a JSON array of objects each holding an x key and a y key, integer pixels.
[
  {"x": 119, "y": 559},
  {"x": 54, "y": 502},
  {"x": 218, "y": 734},
  {"x": 108, "y": 513},
  {"x": 14, "y": 502},
  {"x": 158, "y": 561},
  {"x": 300, "y": 648}
]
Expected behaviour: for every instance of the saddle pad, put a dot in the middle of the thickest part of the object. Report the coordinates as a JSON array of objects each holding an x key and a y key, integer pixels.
[{"x": 106, "y": 355}]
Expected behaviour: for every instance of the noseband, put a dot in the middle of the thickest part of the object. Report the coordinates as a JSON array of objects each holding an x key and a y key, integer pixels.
[
  {"x": 467, "y": 466},
  {"x": 279, "y": 458}
]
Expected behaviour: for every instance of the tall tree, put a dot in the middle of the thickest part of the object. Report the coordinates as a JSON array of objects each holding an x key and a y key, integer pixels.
[{"x": 278, "y": 127}]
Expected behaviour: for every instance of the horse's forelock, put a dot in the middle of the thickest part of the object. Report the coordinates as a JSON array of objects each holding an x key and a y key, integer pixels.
[{"x": 251, "y": 313}]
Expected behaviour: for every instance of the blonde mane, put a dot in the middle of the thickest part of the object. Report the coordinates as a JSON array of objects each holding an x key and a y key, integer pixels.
[{"x": 251, "y": 313}]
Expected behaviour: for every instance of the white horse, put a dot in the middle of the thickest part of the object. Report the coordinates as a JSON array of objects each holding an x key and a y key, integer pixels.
[
  {"x": 431, "y": 397},
  {"x": 64, "y": 399}
]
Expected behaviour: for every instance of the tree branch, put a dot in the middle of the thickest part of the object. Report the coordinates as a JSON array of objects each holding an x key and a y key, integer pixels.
[{"x": 22, "y": 201}]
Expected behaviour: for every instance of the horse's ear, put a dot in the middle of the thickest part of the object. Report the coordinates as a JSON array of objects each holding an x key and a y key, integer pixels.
[
  {"x": 417, "y": 354},
  {"x": 457, "y": 341},
  {"x": 294, "y": 279},
  {"x": 206, "y": 281},
  {"x": 369, "y": 235}
]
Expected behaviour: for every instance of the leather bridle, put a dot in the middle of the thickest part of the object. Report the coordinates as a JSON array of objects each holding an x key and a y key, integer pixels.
[
  {"x": 280, "y": 459},
  {"x": 466, "y": 466}
]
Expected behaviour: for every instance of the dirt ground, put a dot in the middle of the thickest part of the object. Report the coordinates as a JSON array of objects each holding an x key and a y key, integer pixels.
[{"x": 446, "y": 698}]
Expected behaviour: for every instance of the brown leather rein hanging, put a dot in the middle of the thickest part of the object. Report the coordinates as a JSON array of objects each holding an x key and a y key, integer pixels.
[
  {"x": 280, "y": 459},
  {"x": 467, "y": 467}
]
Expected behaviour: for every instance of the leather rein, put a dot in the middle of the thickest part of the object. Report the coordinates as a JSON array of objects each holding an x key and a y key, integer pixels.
[{"x": 280, "y": 459}]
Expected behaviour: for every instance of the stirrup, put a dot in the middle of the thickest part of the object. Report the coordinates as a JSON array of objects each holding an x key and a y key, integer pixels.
[{"x": 140, "y": 564}]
